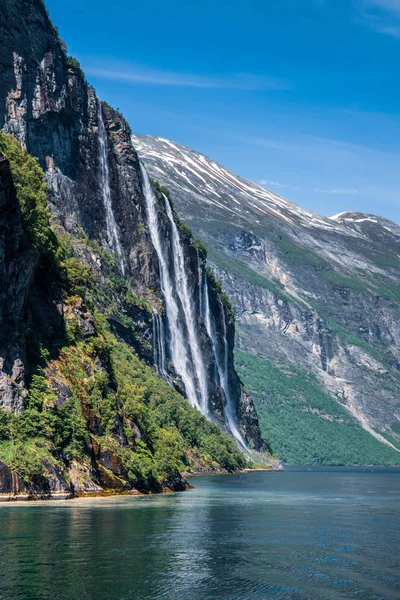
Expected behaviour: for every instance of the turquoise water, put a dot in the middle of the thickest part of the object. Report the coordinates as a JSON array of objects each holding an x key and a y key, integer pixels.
[{"x": 298, "y": 534}]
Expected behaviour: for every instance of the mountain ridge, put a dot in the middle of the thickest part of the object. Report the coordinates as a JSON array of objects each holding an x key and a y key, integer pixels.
[{"x": 317, "y": 293}]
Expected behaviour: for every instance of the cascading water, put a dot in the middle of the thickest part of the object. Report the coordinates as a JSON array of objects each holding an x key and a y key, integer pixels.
[
  {"x": 104, "y": 184},
  {"x": 184, "y": 340},
  {"x": 182, "y": 289},
  {"x": 222, "y": 362},
  {"x": 159, "y": 344},
  {"x": 181, "y": 350},
  {"x": 199, "y": 272},
  {"x": 229, "y": 412}
]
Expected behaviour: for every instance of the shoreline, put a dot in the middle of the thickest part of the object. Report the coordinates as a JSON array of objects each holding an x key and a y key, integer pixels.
[{"x": 110, "y": 493}]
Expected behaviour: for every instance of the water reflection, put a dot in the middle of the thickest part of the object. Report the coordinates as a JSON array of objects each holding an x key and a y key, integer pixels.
[{"x": 296, "y": 535}]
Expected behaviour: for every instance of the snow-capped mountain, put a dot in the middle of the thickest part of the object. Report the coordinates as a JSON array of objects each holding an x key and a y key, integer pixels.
[
  {"x": 212, "y": 185},
  {"x": 319, "y": 294}
]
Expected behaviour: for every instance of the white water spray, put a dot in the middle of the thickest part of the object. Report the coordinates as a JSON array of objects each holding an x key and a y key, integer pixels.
[
  {"x": 159, "y": 345},
  {"x": 182, "y": 288},
  {"x": 222, "y": 362},
  {"x": 184, "y": 340},
  {"x": 104, "y": 183},
  {"x": 181, "y": 353}
]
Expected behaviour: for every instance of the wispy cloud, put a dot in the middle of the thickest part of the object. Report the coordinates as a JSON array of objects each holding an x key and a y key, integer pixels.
[
  {"x": 383, "y": 16},
  {"x": 336, "y": 191},
  {"x": 146, "y": 75},
  {"x": 278, "y": 184}
]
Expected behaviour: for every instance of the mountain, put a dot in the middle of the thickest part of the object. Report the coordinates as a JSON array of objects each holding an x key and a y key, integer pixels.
[
  {"x": 116, "y": 342},
  {"x": 317, "y": 308}
]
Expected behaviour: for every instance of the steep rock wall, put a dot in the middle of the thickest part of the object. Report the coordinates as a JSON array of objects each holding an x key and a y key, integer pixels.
[
  {"x": 17, "y": 265},
  {"x": 47, "y": 104}
]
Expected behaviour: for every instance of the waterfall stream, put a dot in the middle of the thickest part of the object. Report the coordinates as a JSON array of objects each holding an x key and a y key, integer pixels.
[
  {"x": 159, "y": 345},
  {"x": 183, "y": 354},
  {"x": 183, "y": 340},
  {"x": 182, "y": 289},
  {"x": 104, "y": 184},
  {"x": 222, "y": 362}
]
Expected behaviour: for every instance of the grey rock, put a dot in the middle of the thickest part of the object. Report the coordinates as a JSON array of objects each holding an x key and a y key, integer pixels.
[{"x": 318, "y": 293}]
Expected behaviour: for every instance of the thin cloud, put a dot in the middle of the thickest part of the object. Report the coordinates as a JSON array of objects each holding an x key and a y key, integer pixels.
[
  {"x": 392, "y": 6},
  {"x": 382, "y": 16},
  {"x": 144, "y": 75},
  {"x": 336, "y": 191},
  {"x": 278, "y": 184}
]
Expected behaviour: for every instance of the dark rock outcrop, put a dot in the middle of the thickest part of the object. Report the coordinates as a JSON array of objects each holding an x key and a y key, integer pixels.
[{"x": 17, "y": 265}]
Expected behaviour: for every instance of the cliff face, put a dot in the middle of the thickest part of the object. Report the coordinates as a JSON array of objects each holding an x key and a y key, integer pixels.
[
  {"x": 17, "y": 265},
  {"x": 311, "y": 293},
  {"x": 46, "y": 103},
  {"x": 96, "y": 193}
]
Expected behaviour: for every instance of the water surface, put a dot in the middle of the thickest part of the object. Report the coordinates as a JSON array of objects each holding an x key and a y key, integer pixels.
[{"x": 319, "y": 534}]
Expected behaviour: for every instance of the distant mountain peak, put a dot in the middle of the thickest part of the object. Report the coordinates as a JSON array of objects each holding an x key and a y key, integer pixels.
[
  {"x": 367, "y": 223},
  {"x": 220, "y": 189}
]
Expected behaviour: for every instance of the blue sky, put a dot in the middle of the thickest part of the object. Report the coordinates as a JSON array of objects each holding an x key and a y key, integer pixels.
[{"x": 302, "y": 96}]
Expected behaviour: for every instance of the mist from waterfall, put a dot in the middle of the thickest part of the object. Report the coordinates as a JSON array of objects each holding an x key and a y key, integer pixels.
[{"x": 104, "y": 184}]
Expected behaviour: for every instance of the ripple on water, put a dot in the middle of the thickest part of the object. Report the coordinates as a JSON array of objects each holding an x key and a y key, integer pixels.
[{"x": 298, "y": 536}]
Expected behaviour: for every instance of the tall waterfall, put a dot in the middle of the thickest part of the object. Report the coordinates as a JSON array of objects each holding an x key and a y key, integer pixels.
[
  {"x": 159, "y": 344},
  {"x": 182, "y": 288},
  {"x": 184, "y": 344},
  {"x": 222, "y": 362},
  {"x": 104, "y": 183}
]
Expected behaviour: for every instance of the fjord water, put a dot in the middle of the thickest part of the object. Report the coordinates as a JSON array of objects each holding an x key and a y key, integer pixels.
[{"x": 299, "y": 534}]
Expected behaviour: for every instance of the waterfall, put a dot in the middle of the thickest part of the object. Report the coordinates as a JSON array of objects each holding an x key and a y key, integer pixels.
[
  {"x": 182, "y": 289},
  {"x": 104, "y": 183},
  {"x": 159, "y": 344},
  {"x": 222, "y": 362},
  {"x": 184, "y": 345},
  {"x": 183, "y": 339},
  {"x": 229, "y": 412},
  {"x": 200, "y": 278}
]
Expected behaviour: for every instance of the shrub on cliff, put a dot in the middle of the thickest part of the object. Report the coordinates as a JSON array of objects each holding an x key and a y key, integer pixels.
[{"x": 32, "y": 195}]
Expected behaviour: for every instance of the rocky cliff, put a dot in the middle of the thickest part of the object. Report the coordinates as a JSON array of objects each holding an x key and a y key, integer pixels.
[
  {"x": 99, "y": 202},
  {"x": 18, "y": 261},
  {"x": 317, "y": 305}
]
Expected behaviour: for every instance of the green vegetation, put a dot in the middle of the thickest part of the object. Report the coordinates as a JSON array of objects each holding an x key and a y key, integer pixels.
[
  {"x": 200, "y": 246},
  {"x": 295, "y": 254},
  {"x": 303, "y": 424},
  {"x": 161, "y": 190},
  {"x": 109, "y": 384},
  {"x": 395, "y": 427},
  {"x": 359, "y": 283},
  {"x": 112, "y": 401},
  {"x": 73, "y": 63},
  {"x": 32, "y": 195}
]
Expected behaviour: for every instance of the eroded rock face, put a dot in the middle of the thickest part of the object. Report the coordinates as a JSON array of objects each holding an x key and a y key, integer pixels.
[
  {"x": 13, "y": 487},
  {"x": 10, "y": 482}
]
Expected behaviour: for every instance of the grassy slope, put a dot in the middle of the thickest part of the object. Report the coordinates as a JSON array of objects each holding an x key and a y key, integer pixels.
[{"x": 303, "y": 424}]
